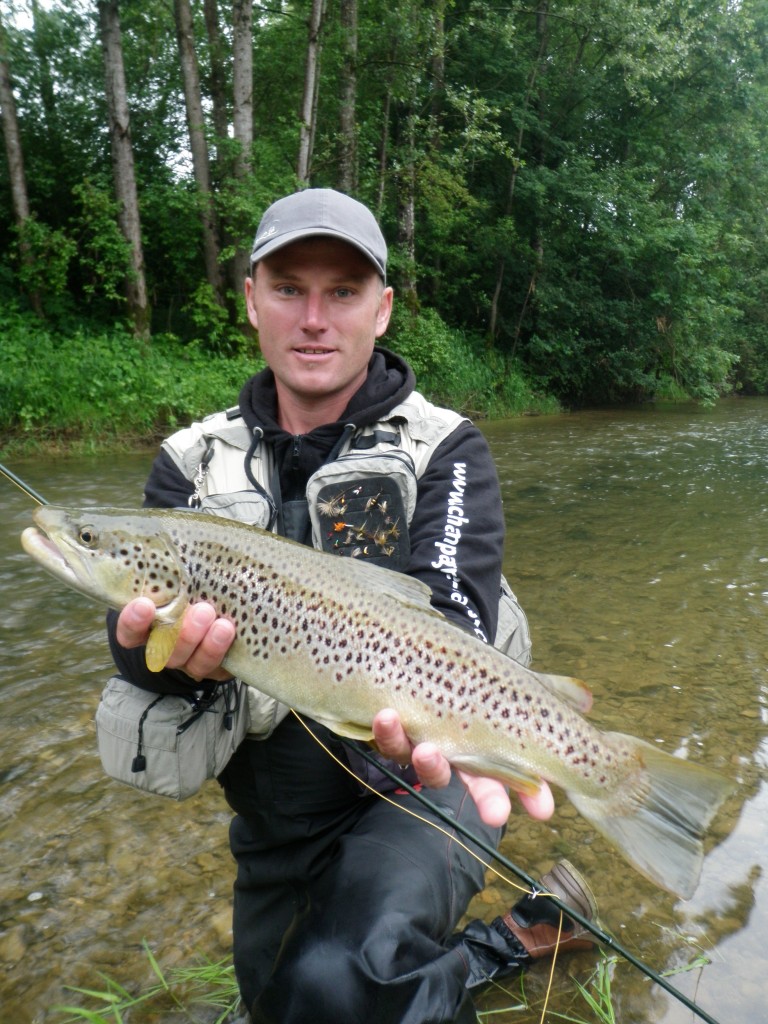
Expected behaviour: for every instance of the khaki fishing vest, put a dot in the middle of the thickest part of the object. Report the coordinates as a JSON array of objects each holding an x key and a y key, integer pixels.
[{"x": 360, "y": 504}]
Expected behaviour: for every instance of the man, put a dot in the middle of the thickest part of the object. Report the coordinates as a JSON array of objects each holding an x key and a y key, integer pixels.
[{"x": 344, "y": 906}]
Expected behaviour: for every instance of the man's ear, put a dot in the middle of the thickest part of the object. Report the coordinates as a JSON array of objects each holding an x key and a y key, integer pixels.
[
  {"x": 250, "y": 291},
  {"x": 385, "y": 311}
]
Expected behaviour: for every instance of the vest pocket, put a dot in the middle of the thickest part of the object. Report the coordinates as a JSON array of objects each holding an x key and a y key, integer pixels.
[
  {"x": 360, "y": 507},
  {"x": 246, "y": 506}
]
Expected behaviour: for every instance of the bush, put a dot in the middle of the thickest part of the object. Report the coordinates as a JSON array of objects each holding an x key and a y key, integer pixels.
[
  {"x": 457, "y": 371},
  {"x": 57, "y": 387}
]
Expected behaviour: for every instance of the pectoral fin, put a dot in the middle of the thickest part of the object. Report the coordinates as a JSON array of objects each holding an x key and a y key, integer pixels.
[
  {"x": 517, "y": 779},
  {"x": 350, "y": 730},
  {"x": 162, "y": 640}
]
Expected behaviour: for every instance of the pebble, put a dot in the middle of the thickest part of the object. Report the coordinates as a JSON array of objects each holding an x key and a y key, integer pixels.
[{"x": 13, "y": 945}]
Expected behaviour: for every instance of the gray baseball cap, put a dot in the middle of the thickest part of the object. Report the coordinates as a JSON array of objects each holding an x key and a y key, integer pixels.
[{"x": 320, "y": 211}]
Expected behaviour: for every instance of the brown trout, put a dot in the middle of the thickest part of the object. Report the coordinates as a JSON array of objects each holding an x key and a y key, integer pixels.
[{"x": 338, "y": 640}]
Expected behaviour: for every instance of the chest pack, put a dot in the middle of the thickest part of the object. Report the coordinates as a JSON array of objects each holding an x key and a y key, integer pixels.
[{"x": 358, "y": 504}]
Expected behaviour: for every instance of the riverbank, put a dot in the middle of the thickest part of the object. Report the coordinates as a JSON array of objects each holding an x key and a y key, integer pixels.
[{"x": 72, "y": 392}]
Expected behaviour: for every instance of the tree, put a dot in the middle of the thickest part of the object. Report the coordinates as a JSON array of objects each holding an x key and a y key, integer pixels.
[
  {"x": 242, "y": 112},
  {"x": 15, "y": 157},
  {"x": 122, "y": 164},
  {"x": 308, "y": 113},
  {"x": 348, "y": 98},
  {"x": 199, "y": 146},
  {"x": 216, "y": 74},
  {"x": 575, "y": 184}
]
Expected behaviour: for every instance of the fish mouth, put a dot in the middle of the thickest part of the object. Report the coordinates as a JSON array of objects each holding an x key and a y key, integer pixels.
[{"x": 40, "y": 546}]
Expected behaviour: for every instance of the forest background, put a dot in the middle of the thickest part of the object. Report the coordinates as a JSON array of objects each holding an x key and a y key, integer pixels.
[{"x": 574, "y": 195}]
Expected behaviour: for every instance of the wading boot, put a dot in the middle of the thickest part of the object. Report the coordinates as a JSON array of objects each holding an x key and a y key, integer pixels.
[
  {"x": 532, "y": 929},
  {"x": 539, "y": 926}
]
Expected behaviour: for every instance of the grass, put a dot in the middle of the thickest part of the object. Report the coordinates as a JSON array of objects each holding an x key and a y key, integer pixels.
[
  {"x": 208, "y": 987},
  {"x": 596, "y": 993}
]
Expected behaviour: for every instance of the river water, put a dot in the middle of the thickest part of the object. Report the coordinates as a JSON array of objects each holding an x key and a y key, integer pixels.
[{"x": 637, "y": 542}]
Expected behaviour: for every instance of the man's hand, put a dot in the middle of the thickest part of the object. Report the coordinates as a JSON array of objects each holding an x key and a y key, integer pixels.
[
  {"x": 203, "y": 641},
  {"x": 433, "y": 770}
]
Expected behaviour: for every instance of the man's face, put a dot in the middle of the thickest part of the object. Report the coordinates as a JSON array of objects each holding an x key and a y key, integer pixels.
[{"x": 318, "y": 305}]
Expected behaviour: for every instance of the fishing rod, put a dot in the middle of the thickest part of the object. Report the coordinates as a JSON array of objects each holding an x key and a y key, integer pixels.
[
  {"x": 536, "y": 887},
  {"x": 29, "y": 491}
]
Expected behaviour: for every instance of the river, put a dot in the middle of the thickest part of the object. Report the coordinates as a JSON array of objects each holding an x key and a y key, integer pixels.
[{"x": 637, "y": 543}]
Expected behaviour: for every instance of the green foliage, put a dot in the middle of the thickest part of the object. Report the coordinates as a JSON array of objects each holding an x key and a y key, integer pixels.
[
  {"x": 103, "y": 253},
  {"x": 43, "y": 256},
  {"x": 588, "y": 182},
  {"x": 108, "y": 386},
  {"x": 213, "y": 331},
  {"x": 454, "y": 371}
]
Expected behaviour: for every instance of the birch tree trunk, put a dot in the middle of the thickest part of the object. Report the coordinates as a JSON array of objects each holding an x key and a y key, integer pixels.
[
  {"x": 348, "y": 109},
  {"x": 15, "y": 157},
  {"x": 242, "y": 110},
  {"x": 308, "y": 113},
  {"x": 381, "y": 191},
  {"x": 122, "y": 163},
  {"x": 198, "y": 145},
  {"x": 406, "y": 209}
]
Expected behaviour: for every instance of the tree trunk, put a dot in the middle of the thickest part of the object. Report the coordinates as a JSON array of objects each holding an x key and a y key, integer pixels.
[
  {"x": 198, "y": 145},
  {"x": 242, "y": 83},
  {"x": 438, "y": 61},
  {"x": 15, "y": 157},
  {"x": 348, "y": 111},
  {"x": 242, "y": 111},
  {"x": 122, "y": 163},
  {"x": 308, "y": 113},
  {"x": 383, "y": 155},
  {"x": 406, "y": 210},
  {"x": 219, "y": 52},
  {"x": 40, "y": 48},
  {"x": 538, "y": 246}
]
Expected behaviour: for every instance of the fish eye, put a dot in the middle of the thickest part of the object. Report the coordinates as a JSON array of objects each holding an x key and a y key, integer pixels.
[{"x": 88, "y": 536}]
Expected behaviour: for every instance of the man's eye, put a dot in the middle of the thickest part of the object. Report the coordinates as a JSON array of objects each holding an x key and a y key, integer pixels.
[
  {"x": 344, "y": 293},
  {"x": 287, "y": 289}
]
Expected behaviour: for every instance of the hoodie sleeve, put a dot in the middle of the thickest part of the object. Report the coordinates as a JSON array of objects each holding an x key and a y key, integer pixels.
[
  {"x": 457, "y": 532},
  {"x": 166, "y": 488}
]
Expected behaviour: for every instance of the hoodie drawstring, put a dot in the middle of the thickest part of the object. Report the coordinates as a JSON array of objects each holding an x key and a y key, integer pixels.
[{"x": 258, "y": 433}]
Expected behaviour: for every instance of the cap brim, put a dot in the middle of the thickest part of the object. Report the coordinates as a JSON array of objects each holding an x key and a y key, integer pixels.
[{"x": 280, "y": 242}]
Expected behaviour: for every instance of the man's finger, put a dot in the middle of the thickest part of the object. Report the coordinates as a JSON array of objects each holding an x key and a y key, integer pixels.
[
  {"x": 134, "y": 621},
  {"x": 205, "y": 662},
  {"x": 541, "y": 805},
  {"x": 203, "y": 641},
  {"x": 390, "y": 736},
  {"x": 491, "y": 798},
  {"x": 431, "y": 767}
]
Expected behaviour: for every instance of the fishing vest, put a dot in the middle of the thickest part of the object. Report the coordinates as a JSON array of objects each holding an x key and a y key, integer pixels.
[{"x": 359, "y": 503}]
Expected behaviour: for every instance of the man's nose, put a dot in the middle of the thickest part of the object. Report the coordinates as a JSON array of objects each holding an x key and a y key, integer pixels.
[{"x": 315, "y": 316}]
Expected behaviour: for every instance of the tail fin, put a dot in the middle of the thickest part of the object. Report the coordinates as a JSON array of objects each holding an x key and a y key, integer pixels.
[{"x": 658, "y": 825}]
